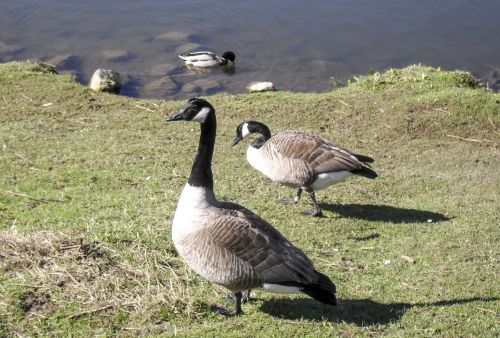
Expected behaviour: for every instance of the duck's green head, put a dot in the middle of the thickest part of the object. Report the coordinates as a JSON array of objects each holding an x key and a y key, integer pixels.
[{"x": 230, "y": 56}]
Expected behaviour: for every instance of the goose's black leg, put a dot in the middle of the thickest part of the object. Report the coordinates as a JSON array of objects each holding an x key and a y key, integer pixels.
[
  {"x": 295, "y": 200},
  {"x": 245, "y": 297},
  {"x": 237, "y": 307},
  {"x": 316, "y": 212}
]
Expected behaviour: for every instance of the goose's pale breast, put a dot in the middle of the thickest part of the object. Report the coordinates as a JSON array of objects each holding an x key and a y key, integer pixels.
[
  {"x": 196, "y": 210},
  {"x": 287, "y": 171}
]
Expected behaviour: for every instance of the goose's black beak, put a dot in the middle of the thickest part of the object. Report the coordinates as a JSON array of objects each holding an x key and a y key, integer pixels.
[
  {"x": 176, "y": 116},
  {"x": 236, "y": 140}
]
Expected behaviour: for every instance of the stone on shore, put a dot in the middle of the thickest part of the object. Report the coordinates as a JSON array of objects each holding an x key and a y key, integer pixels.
[
  {"x": 260, "y": 87},
  {"x": 105, "y": 80}
]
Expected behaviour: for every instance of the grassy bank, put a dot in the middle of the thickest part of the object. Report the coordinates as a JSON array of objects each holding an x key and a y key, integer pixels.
[{"x": 89, "y": 184}]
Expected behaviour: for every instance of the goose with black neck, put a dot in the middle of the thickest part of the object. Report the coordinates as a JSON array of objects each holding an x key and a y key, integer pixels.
[
  {"x": 228, "y": 244},
  {"x": 301, "y": 160}
]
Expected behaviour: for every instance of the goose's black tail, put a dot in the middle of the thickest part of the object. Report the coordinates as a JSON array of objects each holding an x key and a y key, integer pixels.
[
  {"x": 364, "y": 159},
  {"x": 365, "y": 172},
  {"x": 323, "y": 290}
]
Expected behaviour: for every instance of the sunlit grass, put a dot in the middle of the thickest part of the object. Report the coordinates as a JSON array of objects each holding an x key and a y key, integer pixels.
[{"x": 89, "y": 184}]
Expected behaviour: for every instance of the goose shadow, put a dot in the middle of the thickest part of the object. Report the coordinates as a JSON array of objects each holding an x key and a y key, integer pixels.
[
  {"x": 385, "y": 213},
  {"x": 361, "y": 312}
]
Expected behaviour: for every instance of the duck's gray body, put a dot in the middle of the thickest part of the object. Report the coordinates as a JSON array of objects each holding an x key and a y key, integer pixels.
[{"x": 206, "y": 59}]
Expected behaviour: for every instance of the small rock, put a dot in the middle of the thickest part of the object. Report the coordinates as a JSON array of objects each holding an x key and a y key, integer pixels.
[
  {"x": 174, "y": 36},
  {"x": 117, "y": 55},
  {"x": 187, "y": 47},
  {"x": 260, "y": 87},
  {"x": 44, "y": 68},
  {"x": 105, "y": 80}
]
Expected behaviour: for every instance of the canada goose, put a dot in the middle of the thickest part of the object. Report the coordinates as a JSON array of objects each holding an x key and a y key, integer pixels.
[
  {"x": 301, "y": 160},
  {"x": 207, "y": 59},
  {"x": 228, "y": 244}
]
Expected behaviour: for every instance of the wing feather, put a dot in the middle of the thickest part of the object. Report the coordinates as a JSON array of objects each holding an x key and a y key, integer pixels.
[
  {"x": 321, "y": 155},
  {"x": 257, "y": 243}
]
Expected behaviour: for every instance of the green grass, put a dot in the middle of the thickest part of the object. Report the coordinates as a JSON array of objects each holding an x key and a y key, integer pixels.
[{"x": 89, "y": 183}]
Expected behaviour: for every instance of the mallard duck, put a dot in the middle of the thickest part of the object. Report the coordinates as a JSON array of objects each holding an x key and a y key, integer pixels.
[
  {"x": 227, "y": 243},
  {"x": 207, "y": 59},
  {"x": 301, "y": 160}
]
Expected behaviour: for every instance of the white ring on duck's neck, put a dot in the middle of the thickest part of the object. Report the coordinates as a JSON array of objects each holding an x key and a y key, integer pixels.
[
  {"x": 202, "y": 115},
  {"x": 244, "y": 130}
]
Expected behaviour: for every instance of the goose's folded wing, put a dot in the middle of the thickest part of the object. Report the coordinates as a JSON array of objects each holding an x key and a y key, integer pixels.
[
  {"x": 320, "y": 154},
  {"x": 333, "y": 159},
  {"x": 256, "y": 242}
]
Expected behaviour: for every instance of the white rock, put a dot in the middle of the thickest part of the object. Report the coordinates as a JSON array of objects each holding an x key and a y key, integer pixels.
[
  {"x": 105, "y": 80},
  {"x": 260, "y": 87}
]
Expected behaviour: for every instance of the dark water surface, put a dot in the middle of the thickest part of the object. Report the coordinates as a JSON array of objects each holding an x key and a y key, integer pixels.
[{"x": 298, "y": 45}]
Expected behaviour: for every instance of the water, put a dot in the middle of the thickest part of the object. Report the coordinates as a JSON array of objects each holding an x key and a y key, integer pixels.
[{"x": 298, "y": 45}]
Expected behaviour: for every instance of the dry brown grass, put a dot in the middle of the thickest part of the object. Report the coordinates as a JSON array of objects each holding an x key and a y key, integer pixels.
[{"x": 59, "y": 269}]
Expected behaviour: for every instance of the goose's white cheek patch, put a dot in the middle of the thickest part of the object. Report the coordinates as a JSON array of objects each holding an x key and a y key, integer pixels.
[
  {"x": 202, "y": 115},
  {"x": 244, "y": 130}
]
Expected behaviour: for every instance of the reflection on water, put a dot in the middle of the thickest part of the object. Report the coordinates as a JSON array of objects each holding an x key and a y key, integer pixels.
[{"x": 300, "y": 46}]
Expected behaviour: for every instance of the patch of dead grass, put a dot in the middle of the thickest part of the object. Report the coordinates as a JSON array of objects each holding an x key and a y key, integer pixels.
[{"x": 54, "y": 270}]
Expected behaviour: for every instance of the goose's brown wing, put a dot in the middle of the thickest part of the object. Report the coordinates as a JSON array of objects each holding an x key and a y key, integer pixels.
[
  {"x": 258, "y": 244},
  {"x": 320, "y": 154}
]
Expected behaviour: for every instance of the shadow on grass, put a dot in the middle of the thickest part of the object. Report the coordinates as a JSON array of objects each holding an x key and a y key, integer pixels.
[
  {"x": 362, "y": 312},
  {"x": 385, "y": 213}
]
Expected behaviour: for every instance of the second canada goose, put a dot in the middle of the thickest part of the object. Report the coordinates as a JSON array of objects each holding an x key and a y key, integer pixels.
[
  {"x": 301, "y": 160},
  {"x": 228, "y": 244},
  {"x": 207, "y": 59}
]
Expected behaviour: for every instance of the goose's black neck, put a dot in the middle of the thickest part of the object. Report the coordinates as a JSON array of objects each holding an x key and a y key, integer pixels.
[
  {"x": 201, "y": 172},
  {"x": 264, "y": 131}
]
